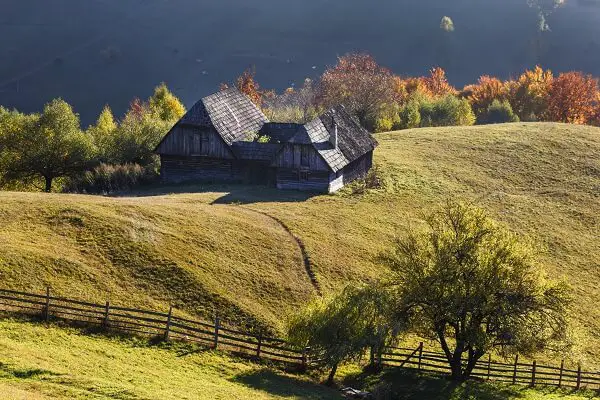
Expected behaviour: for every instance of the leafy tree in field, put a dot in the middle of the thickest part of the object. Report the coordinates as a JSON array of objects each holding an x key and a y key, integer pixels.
[
  {"x": 447, "y": 24},
  {"x": 529, "y": 95},
  {"x": 437, "y": 83},
  {"x": 49, "y": 146},
  {"x": 410, "y": 115},
  {"x": 361, "y": 85},
  {"x": 137, "y": 135},
  {"x": 484, "y": 92},
  {"x": 499, "y": 112},
  {"x": 545, "y": 8},
  {"x": 164, "y": 105},
  {"x": 102, "y": 133},
  {"x": 341, "y": 328},
  {"x": 469, "y": 284},
  {"x": 573, "y": 98}
]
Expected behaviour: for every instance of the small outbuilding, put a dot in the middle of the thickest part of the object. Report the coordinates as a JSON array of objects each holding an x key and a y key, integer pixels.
[{"x": 226, "y": 138}]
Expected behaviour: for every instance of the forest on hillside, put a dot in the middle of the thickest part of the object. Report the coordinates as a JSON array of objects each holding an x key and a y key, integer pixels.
[
  {"x": 50, "y": 150},
  {"x": 106, "y": 51}
]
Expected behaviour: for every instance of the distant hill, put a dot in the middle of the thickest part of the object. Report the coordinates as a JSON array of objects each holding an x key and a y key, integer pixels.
[
  {"x": 207, "y": 248},
  {"x": 96, "y": 52}
]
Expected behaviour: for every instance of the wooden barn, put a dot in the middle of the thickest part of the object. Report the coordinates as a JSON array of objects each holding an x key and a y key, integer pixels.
[{"x": 215, "y": 141}]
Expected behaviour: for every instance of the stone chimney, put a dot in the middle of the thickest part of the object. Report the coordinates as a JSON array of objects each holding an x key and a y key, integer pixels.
[{"x": 333, "y": 136}]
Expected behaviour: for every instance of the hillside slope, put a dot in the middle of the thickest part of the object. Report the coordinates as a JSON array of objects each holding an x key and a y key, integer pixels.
[
  {"x": 54, "y": 363},
  {"x": 207, "y": 246},
  {"x": 39, "y": 363}
]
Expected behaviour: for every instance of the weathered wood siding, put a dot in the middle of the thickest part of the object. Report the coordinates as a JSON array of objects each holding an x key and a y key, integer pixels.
[
  {"x": 296, "y": 179},
  {"x": 189, "y": 140},
  {"x": 358, "y": 168},
  {"x": 294, "y": 156},
  {"x": 175, "y": 169}
]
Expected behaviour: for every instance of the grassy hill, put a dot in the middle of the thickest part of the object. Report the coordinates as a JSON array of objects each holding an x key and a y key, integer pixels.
[
  {"x": 234, "y": 248},
  {"x": 39, "y": 363}
]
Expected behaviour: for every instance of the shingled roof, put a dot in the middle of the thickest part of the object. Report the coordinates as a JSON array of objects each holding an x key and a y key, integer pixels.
[
  {"x": 234, "y": 116},
  {"x": 231, "y": 113},
  {"x": 353, "y": 140}
]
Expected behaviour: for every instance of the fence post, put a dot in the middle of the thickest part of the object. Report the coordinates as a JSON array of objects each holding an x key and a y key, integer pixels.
[
  {"x": 533, "y": 367},
  {"x": 515, "y": 371},
  {"x": 106, "y": 313},
  {"x": 47, "y": 307},
  {"x": 216, "y": 339},
  {"x": 304, "y": 365},
  {"x": 168, "y": 327},
  {"x": 578, "y": 376},
  {"x": 489, "y": 366},
  {"x": 560, "y": 376},
  {"x": 420, "y": 355},
  {"x": 259, "y": 345}
]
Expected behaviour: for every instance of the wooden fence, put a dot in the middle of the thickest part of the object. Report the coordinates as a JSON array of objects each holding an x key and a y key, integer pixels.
[
  {"x": 217, "y": 336},
  {"x": 531, "y": 374},
  {"x": 155, "y": 324}
]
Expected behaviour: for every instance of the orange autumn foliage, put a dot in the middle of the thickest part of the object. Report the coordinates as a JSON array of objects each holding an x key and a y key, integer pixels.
[
  {"x": 573, "y": 98},
  {"x": 530, "y": 93},
  {"x": 482, "y": 94},
  {"x": 246, "y": 83},
  {"x": 437, "y": 83}
]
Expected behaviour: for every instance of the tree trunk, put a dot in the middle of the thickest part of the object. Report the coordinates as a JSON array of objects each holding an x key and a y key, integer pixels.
[
  {"x": 456, "y": 368},
  {"x": 48, "y": 180},
  {"x": 332, "y": 375},
  {"x": 474, "y": 356}
]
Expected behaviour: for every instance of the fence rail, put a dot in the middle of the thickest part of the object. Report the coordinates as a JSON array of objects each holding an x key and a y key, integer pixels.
[
  {"x": 514, "y": 373},
  {"x": 152, "y": 323},
  {"x": 217, "y": 336}
]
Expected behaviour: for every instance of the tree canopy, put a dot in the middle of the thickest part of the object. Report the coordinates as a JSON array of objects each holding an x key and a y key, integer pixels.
[
  {"x": 341, "y": 327},
  {"x": 468, "y": 283},
  {"x": 49, "y": 145}
]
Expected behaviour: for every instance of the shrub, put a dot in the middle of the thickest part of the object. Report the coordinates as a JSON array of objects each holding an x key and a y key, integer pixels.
[
  {"x": 529, "y": 94},
  {"x": 499, "y": 112},
  {"x": 107, "y": 178},
  {"x": 383, "y": 124},
  {"x": 482, "y": 94},
  {"x": 444, "y": 111},
  {"x": 410, "y": 115}
]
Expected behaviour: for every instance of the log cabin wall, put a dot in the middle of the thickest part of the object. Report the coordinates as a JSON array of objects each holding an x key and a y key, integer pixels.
[
  {"x": 189, "y": 140},
  {"x": 358, "y": 168},
  {"x": 295, "y": 179},
  {"x": 300, "y": 156},
  {"x": 176, "y": 169}
]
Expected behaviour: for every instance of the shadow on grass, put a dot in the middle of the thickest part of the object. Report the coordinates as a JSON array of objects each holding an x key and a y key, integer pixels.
[
  {"x": 235, "y": 193},
  {"x": 25, "y": 373},
  {"x": 399, "y": 384},
  {"x": 285, "y": 386}
]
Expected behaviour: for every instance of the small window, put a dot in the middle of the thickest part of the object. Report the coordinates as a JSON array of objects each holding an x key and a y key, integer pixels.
[{"x": 304, "y": 156}]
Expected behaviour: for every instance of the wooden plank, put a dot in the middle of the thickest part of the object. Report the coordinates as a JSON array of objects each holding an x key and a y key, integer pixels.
[
  {"x": 39, "y": 296},
  {"x": 20, "y": 300},
  {"x": 168, "y": 327},
  {"x": 562, "y": 366},
  {"x": 47, "y": 308}
]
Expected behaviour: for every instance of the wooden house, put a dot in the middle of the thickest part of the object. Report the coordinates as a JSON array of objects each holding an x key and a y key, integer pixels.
[{"x": 215, "y": 141}]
